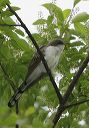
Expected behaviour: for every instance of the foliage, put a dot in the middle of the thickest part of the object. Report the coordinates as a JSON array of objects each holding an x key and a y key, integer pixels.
[{"x": 15, "y": 53}]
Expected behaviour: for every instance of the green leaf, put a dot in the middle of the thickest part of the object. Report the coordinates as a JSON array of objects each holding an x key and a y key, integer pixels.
[
  {"x": 77, "y": 43},
  {"x": 81, "y": 17},
  {"x": 81, "y": 28},
  {"x": 9, "y": 120},
  {"x": 55, "y": 10},
  {"x": 21, "y": 43},
  {"x": 76, "y": 33},
  {"x": 25, "y": 58},
  {"x": 37, "y": 36},
  {"x": 7, "y": 12},
  {"x": 8, "y": 20},
  {"x": 14, "y": 8},
  {"x": 4, "y": 2},
  {"x": 40, "y": 22},
  {"x": 3, "y": 110},
  {"x": 66, "y": 13},
  {"x": 50, "y": 19},
  {"x": 21, "y": 71},
  {"x": 30, "y": 111},
  {"x": 76, "y": 2},
  {"x": 37, "y": 123},
  {"x": 18, "y": 31},
  {"x": 5, "y": 52}
]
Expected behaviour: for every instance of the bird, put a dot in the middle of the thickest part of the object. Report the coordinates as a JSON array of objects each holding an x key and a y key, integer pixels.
[{"x": 36, "y": 70}]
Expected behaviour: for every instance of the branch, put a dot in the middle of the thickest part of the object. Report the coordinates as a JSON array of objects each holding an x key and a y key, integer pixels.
[
  {"x": 17, "y": 112},
  {"x": 40, "y": 53},
  {"x": 75, "y": 79},
  {"x": 7, "y": 77},
  {"x": 76, "y": 104},
  {"x": 17, "y": 126},
  {"x": 9, "y": 25},
  {"x": 12, "y": 86},
  {"x": 69, "y": 90}
]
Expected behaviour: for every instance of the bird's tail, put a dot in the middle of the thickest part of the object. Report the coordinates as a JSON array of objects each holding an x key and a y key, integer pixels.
[
  {"x": 24, "y": 86},
  {"x": 17, "y": 95}
]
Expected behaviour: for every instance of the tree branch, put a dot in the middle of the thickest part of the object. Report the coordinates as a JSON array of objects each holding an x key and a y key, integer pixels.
[
  {"x": 76, "y": 77},
  {"x": 76, "y": 104},
  {"x": 7, "y": 77},
  {"x": 17, "y": 112},
  {"x": 40, "y": 53},
  {"x": 12, "y": 86},
  {"x": 9, "y": 25}
]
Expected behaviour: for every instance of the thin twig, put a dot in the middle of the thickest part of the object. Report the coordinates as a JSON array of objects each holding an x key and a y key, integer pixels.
[
  {"x": 69, "y": 90},
  {"x": 12, "y": 86},
  {"x": 17, "y": 126},
  {"x": 7, "y": 77},
  {"x": 17, "y": 112},
  {"x": 9, "y": 25},
  {"x": 40, "y": 53},
  {"x": 76, "y": 104}
]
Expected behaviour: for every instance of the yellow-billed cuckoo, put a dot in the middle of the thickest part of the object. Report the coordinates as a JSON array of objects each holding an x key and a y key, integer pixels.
[{"x": 36, "y": 69}]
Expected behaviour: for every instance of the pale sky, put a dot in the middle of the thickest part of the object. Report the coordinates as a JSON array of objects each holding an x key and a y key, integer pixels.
[{"x": 30, "y": 8}]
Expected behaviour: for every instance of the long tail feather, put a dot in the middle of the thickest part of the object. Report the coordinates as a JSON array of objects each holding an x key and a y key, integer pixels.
[
  {"x": 17, "y": 95},
  {"x": 20, "y": 90}
]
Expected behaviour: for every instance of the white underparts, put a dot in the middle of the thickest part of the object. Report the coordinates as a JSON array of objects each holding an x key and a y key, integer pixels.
[{"x": 52, "y": 55}]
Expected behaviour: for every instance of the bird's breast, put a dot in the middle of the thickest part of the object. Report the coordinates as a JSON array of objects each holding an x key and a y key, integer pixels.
[{"x": 52, "y": 55}]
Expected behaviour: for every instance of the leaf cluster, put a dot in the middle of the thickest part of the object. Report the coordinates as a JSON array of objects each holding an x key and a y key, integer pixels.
[{"x": 38, "y": 105}]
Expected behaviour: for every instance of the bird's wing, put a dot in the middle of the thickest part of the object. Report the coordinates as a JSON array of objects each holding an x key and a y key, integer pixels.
[
  {"x": 34, "y": 62},
  {"x": 32, "y": 65}
]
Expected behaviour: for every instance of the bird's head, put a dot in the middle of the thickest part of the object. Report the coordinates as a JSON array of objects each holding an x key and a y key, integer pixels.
[{"x": 56, "y": 42}]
